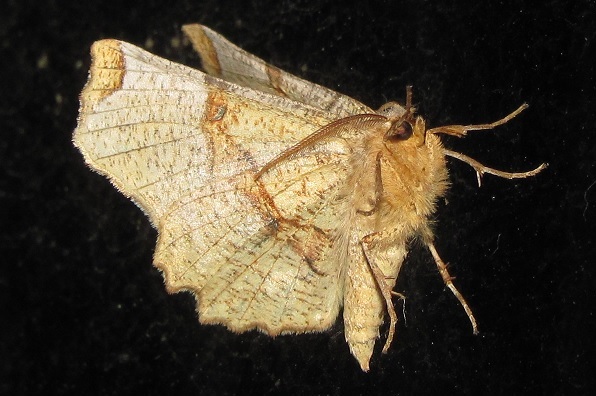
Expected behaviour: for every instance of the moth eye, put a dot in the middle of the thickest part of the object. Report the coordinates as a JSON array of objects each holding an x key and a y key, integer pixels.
[{"x": 402, "y": 131}]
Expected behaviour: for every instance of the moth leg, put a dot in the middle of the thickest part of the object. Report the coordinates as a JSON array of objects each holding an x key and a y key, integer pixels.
[
  {"x": 384, "y": 288},
  {"x": 448, "y": 282},
  {"x": 482, "y": 169},
  {"x": 402, "y": 297},
  {"x": 462, "y": 130}
]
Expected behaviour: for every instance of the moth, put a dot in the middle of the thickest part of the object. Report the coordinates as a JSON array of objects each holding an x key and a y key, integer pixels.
[{"x": 278, "y": 202}]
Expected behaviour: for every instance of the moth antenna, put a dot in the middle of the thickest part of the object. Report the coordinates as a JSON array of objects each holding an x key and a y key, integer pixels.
[
  {"x": 449, "y": 283},
  {"x": 482, "y": 169},
  {"x": 333, "y": 128},
  {"x": 462, "y": 130},
  {"x": 409, "y": 106},
  {"x": 408, "y": 97}
]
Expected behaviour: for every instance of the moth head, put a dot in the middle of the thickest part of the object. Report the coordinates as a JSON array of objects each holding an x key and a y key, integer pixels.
[
  {"x": 409, "y": 128},
  {"x": 405, "y": 125}
]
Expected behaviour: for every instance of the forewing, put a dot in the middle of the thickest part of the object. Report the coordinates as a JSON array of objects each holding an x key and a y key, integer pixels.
[
  {"x": 185, "y": 147},
  {"x": 160, "y": 130},
  {"x": 223, "y": 59}
]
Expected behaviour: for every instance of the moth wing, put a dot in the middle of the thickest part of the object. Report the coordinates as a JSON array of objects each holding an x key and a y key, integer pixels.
[
  {"x": 159, "y": 130},
  {"x": 184, "y": 147},
  {"x": 258, "y": 255},
  {"x": 223, "y": 59}
]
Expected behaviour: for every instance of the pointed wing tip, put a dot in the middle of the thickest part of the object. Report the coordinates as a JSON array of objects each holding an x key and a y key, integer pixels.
[
  {"x": 191, "y": 27},
  {"x": 106, "y": 73},
  {"x": 201, "y": 38}
]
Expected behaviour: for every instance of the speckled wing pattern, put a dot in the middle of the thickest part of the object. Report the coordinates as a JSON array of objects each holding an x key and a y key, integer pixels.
[{"x": 184, "y": 146}]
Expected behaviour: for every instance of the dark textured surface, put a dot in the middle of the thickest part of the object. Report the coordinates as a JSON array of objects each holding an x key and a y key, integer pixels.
[{"x": 82, "y": 310}]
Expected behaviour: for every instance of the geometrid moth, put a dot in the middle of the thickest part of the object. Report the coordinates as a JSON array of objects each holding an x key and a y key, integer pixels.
[{"x": 278, "y": 202}]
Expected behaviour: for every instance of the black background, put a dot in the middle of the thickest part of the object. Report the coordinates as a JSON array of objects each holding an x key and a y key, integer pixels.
[{"x": 84, "y": 312}]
